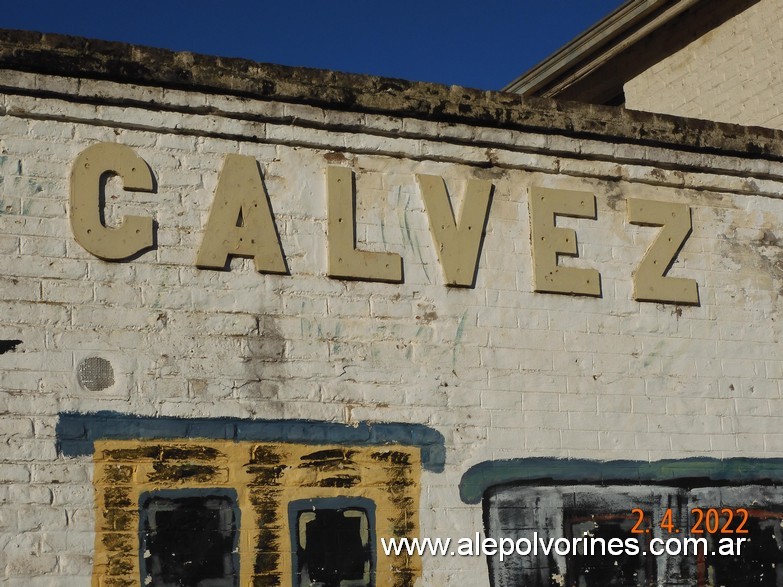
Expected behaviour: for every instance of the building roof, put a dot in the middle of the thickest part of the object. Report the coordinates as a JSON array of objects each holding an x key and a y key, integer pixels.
[
  {"x": 595, "y": 66},
  {"x": 79, "y": 58}
]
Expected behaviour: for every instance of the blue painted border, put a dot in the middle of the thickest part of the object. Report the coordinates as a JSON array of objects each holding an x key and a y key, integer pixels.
[
  {"x": 690, "y": 472},
  {"x": 77, "y": 433}
]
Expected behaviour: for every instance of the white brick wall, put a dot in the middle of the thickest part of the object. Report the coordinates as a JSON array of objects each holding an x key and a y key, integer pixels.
[
  {"x": 502, "y": 372},
  {"x": 731, "y": 74}
]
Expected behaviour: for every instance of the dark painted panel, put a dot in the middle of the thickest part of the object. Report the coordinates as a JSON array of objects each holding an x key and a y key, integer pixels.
[
  {"x": 333, "y": 541},
  {"x": 599, "y": 513},
  {"x": 189, "y": 538}
]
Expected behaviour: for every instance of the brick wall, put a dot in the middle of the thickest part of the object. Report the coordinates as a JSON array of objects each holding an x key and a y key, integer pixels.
[
  {"x": 500, "y": 371},
  {"x": 731, "y": 74}
]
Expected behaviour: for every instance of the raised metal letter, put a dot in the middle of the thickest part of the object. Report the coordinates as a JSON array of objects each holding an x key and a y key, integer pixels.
[
  {"x": 458, "y": 243},
  {"x": 650, "y": 283},
  {"x": 135, "y": 232}
]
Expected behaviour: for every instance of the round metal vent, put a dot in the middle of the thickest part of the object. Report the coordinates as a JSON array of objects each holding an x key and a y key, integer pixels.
[{"x": 95, "y": 374}]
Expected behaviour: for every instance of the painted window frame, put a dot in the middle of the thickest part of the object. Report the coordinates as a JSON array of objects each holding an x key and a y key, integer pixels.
[
  {"x": 189, "y": 493},
  {"x": 756, "y": 484},
  {"x": 363, "y": 504}
]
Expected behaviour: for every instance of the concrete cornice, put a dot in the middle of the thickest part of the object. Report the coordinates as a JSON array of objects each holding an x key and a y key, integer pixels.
[{"x": 80, "y": 58}]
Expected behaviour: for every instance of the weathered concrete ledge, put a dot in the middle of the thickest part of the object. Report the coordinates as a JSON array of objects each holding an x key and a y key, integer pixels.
[{"x": 93, "y": 59}]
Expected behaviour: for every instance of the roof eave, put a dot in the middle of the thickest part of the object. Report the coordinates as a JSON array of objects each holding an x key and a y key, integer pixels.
[{"x": 625, "y": 26}]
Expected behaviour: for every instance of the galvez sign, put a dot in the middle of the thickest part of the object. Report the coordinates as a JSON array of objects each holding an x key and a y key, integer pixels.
[{"x": 241, "y": 223}]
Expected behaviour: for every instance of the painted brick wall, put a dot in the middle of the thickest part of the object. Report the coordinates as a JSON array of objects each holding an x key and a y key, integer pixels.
[
  {"x": 501, "y": 372},
  {"x": 731, "y": 74}
]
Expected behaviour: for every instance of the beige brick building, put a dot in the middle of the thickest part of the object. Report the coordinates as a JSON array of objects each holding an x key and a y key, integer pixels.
[
  {"x": 256, "y": 321},
  {"x": 714, "y": 60},
  {"x": 731, "y": 74}
]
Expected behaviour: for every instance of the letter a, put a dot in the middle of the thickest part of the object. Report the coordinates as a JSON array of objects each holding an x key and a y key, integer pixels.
[{"x": 240, "y": 221}]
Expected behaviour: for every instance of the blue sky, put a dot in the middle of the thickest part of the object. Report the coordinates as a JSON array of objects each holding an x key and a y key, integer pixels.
[{"x": 475, "y": 43}]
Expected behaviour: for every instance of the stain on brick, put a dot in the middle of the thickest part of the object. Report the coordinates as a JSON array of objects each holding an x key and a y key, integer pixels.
[
  {"x": 133, "y": 454},
  {"x": 120, "y": 565},
  {"x": 118, "y": 519},
  {"x": 263, "y": 476},
  {"x": 328, "y": 460},
  {"x": 117, "y": 541},
  {"x": 339, "y": 481},
  {"x": 117, "y": 497},
  {"x": 182, "y": 473},
  {"x": 118, "y": 474},
  {"x": 263, "y": 454},
  {"x": 197, "y": 453},
  {"x": 120, "y": 582}
]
